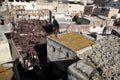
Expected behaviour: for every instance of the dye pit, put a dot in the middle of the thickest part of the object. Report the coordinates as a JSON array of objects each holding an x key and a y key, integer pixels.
[{"x": 50, "y": 70}]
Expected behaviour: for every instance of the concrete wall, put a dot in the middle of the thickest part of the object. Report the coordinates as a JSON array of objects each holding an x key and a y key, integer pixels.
[
  {"x": 74, "y": 74},
  {"x": 75, "y": 8},
  {"x": 5, "y": 54},
  {"x": 97, "y": 29},
  {"x": 57, "y": 51},
  {"x": 81, "y": 51},
  {"x": 94, "y": 26}
]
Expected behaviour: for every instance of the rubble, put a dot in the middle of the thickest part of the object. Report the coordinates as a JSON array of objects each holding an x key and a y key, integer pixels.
[{"x": 106, "y": 56}]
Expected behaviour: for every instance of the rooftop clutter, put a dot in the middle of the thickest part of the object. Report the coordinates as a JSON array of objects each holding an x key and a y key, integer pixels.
[{"x": 73, "y": 40}]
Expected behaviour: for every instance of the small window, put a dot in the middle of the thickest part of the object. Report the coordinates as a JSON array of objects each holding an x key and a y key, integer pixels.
[
  {"x": 67, "y": 54},
  {"x": 28, "y": 15},
  {"x": 93, "y": 26},
  {"x": 2, "y": 22},
  {"x": 23, "y": 7},
  {"x": 114, "y": 5},
  {"x": 53, "y": 49},
  {"x": 11, "y": 0},
  {"x": 101, "y": 25},
  {"x": 60, "y": 50}
]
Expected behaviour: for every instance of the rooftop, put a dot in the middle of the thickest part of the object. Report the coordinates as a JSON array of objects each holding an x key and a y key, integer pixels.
[
  {"x": 117, "y": 30},
  {"x": 6, "y": 73},
  {"x": 61, "y": 19},
  {"x": 73, "y": 40},
  {"x": 96, "y": 18}
]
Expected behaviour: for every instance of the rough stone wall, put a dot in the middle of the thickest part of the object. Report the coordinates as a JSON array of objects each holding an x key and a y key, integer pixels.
[{"x": 106, "y": 56}]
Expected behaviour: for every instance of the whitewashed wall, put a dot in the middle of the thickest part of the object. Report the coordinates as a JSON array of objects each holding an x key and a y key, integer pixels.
[
  {"x": 57, "y": 52},
  {"x": 5, "y": 54}
]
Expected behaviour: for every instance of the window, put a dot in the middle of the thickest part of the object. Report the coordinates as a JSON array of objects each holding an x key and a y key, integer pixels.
[
  {"x": 101, "y": 25},
  {"x": 17, "y": 16},
  {"x": 60, "y": 50},
  {"x": 23, "y": 7},
  {"x": 11, "y": 0},
  {"x": 114, "y": 5},
  {"x": 93, "y": 26},
  {"x": 118, "y": 5},
  {"x": 67, "y": 54},
  {"x": 53, "y": 49},
  {"x": 2, "y": 22}
]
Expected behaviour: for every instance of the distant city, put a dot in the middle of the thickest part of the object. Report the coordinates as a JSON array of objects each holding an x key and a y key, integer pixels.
[{"x": 60, "y": 39}]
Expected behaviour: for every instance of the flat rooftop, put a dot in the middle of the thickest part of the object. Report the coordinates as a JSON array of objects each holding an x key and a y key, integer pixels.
[
  {"x": 73, "y": 40},
  {"x": 61, "y": 19},
  {"x": 96, "y": 18}
]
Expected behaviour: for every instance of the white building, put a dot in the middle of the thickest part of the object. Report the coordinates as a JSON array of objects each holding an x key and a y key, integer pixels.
[
  {"x": 30, "y": 10},
  {"x": 90, "y": 24},
  {"x": 63, "y": 21},
  {"x": 5, "y": 54},
  {"x": 5, "y": 18},
  {"x": 77, "y": 6},
  {"x": 66, "y": 46}
]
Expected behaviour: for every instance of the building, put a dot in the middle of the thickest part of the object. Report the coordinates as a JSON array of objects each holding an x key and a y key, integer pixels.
[
  {"x": 63, "y": 22},
  {"x": 100, "y": 3},
  {"x": 113, "y": 4},
  {"x": 116, "y": 32},
  {"x": 5, "y": 27},
  {"x": 82, "y": 70},
  {"x": 75, "y": 7},
  {"x": 5, "y": 18},
  {"x": 58, "y": 6},
  {"x": 66, "y": 46},
  {"x": 5, "y": 55},
  {"x": 109, "y": 12},
  {"x": 113, "y": 12},
  {"x": 30, "y": 10},
  {"x": 91, "y": 24},
  {"x": 101, "y": 62}
]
